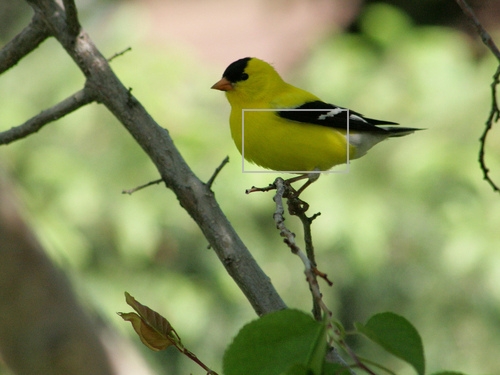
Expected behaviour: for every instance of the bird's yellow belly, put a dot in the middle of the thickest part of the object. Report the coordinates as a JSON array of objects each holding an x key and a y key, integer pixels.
[{"x": 283, "y": 145}]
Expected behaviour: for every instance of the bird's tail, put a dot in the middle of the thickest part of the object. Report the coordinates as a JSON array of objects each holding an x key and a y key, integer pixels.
[{"x": 398, "y": 131}]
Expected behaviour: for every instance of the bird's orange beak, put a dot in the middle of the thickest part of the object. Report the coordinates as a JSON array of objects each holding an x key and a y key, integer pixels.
[{"x": 223, "y": 85}]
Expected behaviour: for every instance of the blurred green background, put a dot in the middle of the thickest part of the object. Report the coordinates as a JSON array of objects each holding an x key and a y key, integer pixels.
[{"x": 412, "y": 228}]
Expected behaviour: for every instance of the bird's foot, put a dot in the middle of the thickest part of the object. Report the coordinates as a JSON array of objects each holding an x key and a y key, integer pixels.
[
  {"x": 311, "y": 177},
  {"x": 291, "y": 191}
]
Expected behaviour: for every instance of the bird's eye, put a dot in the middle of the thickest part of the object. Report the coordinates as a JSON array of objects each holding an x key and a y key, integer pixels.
[{"x": 244, "y": 77}]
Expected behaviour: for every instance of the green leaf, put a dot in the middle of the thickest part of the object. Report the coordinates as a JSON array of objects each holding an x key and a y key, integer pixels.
[
  {"x": 448, "y": 373},
  {"x": 396, "y": 335},
  {"x": 275, "y": 343},
  {"x": 299, "y": 369},
  {"x": 334, "y": 369}
]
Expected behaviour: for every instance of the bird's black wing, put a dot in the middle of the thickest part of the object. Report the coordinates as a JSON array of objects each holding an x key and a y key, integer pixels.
[{"x": 334, "y": 117}]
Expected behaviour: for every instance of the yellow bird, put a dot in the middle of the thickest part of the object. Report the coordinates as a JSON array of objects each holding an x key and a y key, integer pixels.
[{"x": 292, "y": 129}]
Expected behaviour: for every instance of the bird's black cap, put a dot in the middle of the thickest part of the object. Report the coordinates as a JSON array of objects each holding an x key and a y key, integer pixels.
[{"x": 236, "y": 71}]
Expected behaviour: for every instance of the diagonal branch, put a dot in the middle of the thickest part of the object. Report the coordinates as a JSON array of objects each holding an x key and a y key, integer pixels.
[
  {"x": 485, "y": 36},
  {"x": 23, "y": 43},
  {"x": 68, "y": 105},
  {"x": 193, "y": 195}
]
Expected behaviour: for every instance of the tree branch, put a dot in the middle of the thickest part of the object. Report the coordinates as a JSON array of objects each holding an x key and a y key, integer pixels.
[
  {"x": 71, "y": 17},
  {"x": 193, "y": 195},
  {"x": 495, "y": 111},
  {"x": 485, "y": 36},
  {"x": 493, "y": 117},
  {"x": 68, "y": 105},
  {"x": 295, "y": 206},
  {"x": 23, "y": 43},
  {"x": 217, "y": 171}
]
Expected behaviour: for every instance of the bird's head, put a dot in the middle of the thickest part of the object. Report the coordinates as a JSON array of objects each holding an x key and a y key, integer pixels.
[{"x": 248, "y": 79}]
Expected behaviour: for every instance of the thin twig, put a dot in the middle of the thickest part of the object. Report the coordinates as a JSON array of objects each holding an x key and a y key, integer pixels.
[
  {"x": 254, "y": 189},
  {"x": 284, "y": 190},
  {"x": 68, "y": 105},
  {"x": 495, "y": 111},
  {"x": 194, "y": 358},
  {"x": 485, "y": 36},
  {"x": 293, "y": 203},
  {"x": 209, "y": 183},
  {"x": 133, "y": 190},
  {"x": 298, "y": 208},
  {"x": 217, "y": 171},
  {"x": 119, "y": 53},
  {"x": 279, "y": 218},
  {"x": 493, "y": 117}
]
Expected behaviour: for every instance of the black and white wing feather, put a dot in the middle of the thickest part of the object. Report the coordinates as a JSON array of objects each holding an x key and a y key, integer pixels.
[{"x": 321, "y": 113}]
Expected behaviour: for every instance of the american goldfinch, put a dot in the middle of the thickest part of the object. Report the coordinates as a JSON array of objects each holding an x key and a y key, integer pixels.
[{"x": 285, "y": 135}]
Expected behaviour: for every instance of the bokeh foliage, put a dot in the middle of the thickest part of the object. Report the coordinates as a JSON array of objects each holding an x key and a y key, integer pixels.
[{"x": 412, "y": 228}]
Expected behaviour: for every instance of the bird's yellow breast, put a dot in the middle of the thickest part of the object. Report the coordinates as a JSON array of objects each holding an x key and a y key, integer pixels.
[{"x": 272, "y": 142}]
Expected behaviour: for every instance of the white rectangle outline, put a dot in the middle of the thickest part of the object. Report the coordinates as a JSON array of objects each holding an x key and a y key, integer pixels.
[{"x": 243, "y": 110}]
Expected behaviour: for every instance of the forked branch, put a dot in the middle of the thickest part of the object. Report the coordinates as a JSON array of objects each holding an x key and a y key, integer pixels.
[{"x": 104, "y": 87}]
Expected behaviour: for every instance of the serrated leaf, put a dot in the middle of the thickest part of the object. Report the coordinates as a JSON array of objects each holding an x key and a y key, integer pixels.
[
  {"x": 396, "y": 335},
  {"x": 275, "y": 343},
  {"x": 153, "y": 329}
]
